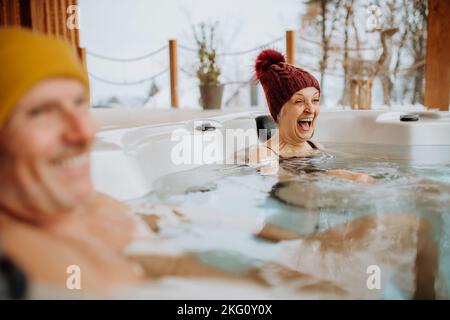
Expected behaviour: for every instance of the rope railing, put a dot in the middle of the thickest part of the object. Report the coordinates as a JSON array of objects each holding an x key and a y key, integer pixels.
[
  {"x": 145, "y": 56},
  {"x": 265, "y": 45},
  {"x": 181, "y": 46},
  {"x": 191, "y": 75},
  {"x": 290, "y": 52},
  {"x": 127, "y": 83},
  {"x": 233, "y": 82},
  {"x": 188, "y": 73},
  {"x": 236, "y": 53}
]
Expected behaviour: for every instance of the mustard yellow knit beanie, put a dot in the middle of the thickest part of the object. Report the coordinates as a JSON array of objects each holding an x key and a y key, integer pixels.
[{"x": 27, "y": 58}]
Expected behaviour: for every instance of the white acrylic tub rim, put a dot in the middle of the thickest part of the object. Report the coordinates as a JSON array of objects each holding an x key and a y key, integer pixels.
[{"x": 125, "y": 162}]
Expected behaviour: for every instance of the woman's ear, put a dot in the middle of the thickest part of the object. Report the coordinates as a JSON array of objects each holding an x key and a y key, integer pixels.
[{"x": 279, "y": 115}]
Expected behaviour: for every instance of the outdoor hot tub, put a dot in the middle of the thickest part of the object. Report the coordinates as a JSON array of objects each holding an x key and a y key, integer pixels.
[
  {"x": 226, "y": 201},
  {"x": 127, "y": 161}
]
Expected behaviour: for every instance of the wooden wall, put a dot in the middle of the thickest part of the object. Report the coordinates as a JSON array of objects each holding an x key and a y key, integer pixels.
[
  {"x": 10, "y": 12},
  {"x": 437, "y": 67},
  {"x": 46, "y": 16}
]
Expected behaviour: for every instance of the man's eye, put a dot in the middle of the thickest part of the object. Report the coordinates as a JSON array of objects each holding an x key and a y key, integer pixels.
[
  {"x": 79, "y": 102},
  {"x": 299, "y": 101},
  {"x": 37, "y": 111}
]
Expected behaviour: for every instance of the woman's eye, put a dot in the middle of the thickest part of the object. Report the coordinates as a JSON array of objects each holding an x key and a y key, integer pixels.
[{"x": 316, "y": 100}]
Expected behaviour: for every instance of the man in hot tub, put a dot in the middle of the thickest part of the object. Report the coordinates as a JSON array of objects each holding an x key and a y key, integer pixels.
[
  {"x": 293, "y": 97},
  {"x": 50, "y": 216}
]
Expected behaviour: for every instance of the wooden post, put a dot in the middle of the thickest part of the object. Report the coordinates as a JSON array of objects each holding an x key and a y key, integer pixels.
[
  {"x": 368, "y": 94},
  {"x": 437, "y": 67},
  {"x": 173, "y": 73},
  {"x": 360, "y": 105},
  {"x": 362, "y": 90},
  {"x": 290, "y": 46},
  {"x": 352, "y": 93}
]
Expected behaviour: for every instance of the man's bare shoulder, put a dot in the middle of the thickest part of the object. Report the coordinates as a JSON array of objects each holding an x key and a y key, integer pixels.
[
  {"x": 103, "y": 201},
  {"x": 121, "y": 213}
]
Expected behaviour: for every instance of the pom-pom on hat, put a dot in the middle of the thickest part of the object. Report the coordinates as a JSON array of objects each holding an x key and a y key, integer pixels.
[{"x": 280, "y": 80}]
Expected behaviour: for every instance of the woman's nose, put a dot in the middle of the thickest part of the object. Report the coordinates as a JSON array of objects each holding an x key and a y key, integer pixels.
[{"x": 309, "y": 107}]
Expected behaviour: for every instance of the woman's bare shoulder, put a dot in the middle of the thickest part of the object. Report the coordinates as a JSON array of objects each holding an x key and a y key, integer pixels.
[
  {"x": 318, "y": 145},
  {"x": 255, "y": 154}
]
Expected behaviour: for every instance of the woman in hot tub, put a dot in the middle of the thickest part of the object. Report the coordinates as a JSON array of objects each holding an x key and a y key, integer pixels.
[{"x": 293, "y": 97}]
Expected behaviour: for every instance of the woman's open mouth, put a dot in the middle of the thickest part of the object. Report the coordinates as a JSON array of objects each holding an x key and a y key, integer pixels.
[{"x": 305, "y": 124}]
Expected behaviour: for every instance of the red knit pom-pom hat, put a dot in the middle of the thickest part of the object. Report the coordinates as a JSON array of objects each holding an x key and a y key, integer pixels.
[{"x": 280, "y": 80}]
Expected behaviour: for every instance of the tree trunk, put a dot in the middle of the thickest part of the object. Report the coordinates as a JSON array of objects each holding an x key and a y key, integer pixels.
[
  {"x": 323, "y": 63},
  {"x": 345, "y": 96},
  {"x": 419, "y": 54}
]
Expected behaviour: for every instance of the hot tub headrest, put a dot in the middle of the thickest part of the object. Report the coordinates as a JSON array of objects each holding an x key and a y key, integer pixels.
[{"x": 265, "y": 122}]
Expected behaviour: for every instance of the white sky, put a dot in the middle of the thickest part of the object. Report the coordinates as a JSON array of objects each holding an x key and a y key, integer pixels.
[{"x": 123, "y": 29}]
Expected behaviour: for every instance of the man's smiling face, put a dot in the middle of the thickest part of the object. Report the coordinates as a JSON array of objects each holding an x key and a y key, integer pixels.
[{"x": 44, "y": 151}]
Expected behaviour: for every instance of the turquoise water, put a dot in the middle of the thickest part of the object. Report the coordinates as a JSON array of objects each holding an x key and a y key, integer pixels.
[{"x": 303, "y": 202}]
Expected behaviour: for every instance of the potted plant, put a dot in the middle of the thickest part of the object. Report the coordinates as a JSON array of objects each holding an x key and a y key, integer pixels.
[{"x": 208, "y": 72}]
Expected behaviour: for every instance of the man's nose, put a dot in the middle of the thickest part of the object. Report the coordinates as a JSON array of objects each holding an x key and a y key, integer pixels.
[{"x": 80, "y": 128}]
